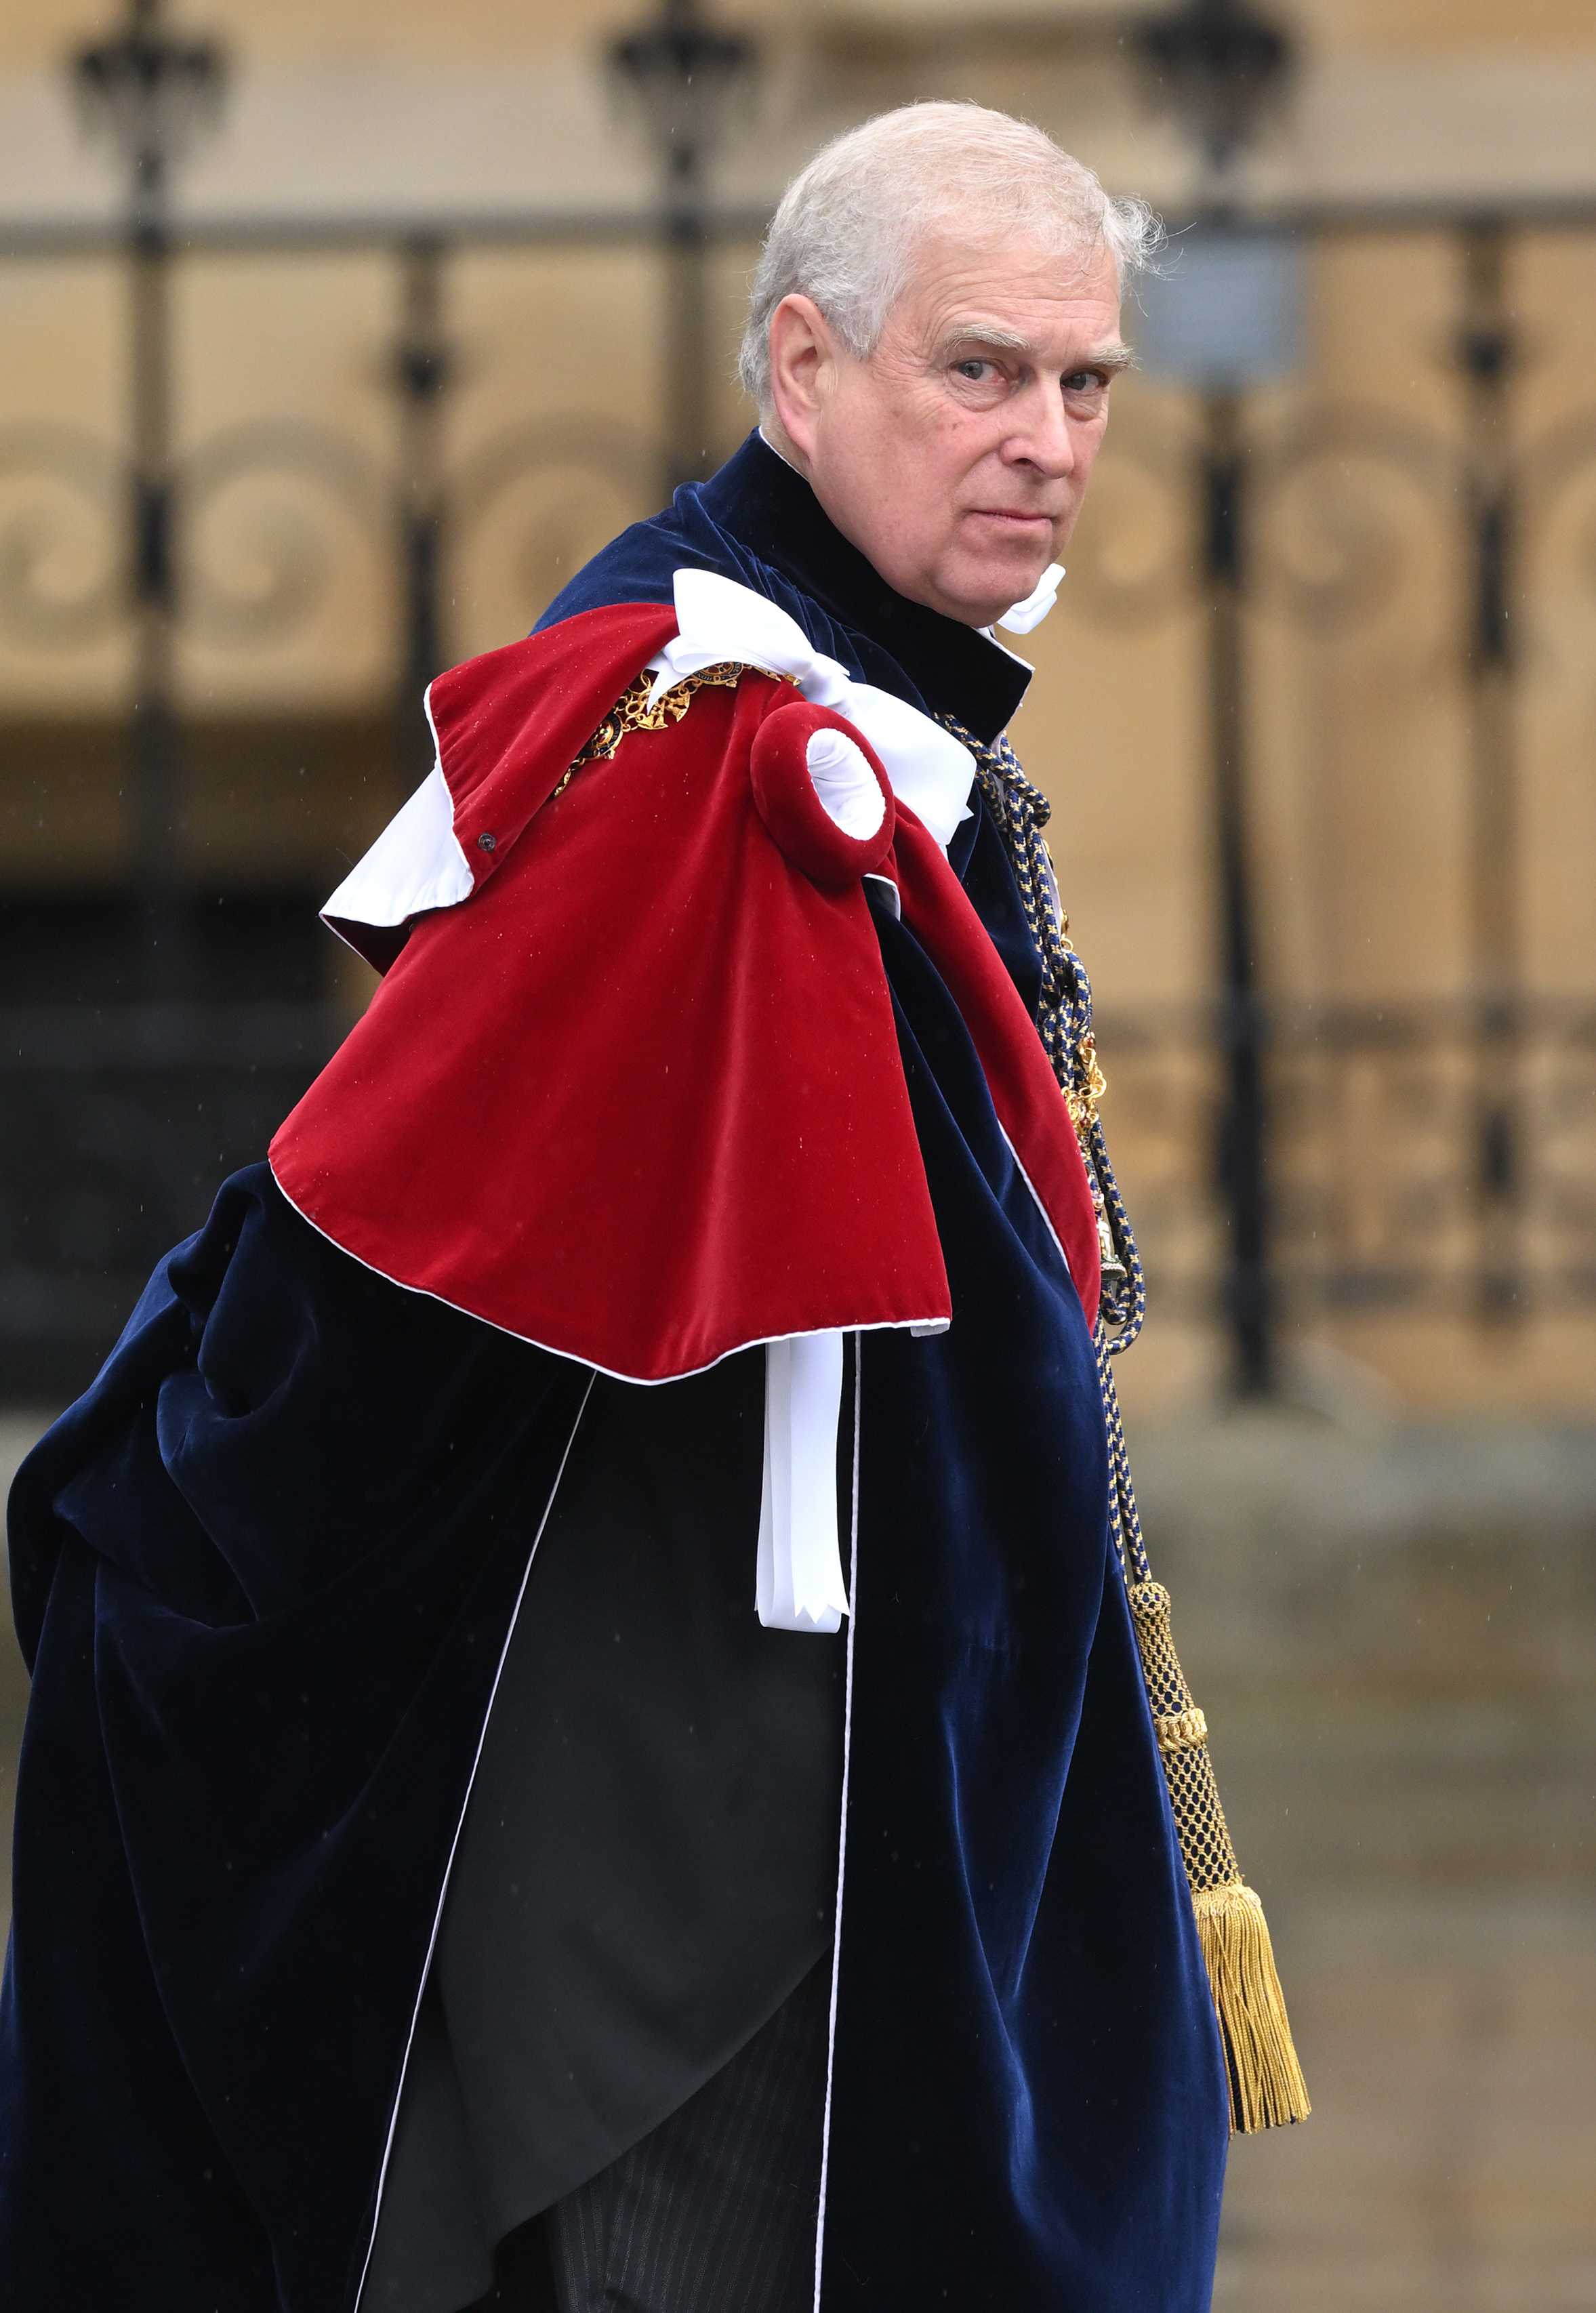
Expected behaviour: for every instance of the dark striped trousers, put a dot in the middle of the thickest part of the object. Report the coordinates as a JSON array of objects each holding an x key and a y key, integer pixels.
[{"x": 715, "y": 2211}]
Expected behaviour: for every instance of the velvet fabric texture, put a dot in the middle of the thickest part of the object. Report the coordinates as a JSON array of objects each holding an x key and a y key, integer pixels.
[
  {"x": 665, "y": 1118},
  {"x": 649, "y": 1862},
  {"x": 264, "y": 1572},
  {"x": 644, "y": 964},
  {"x": 1028, "y": 2104}
]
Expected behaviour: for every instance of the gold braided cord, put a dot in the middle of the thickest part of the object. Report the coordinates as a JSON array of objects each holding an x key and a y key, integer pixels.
[
  {"x": 1265, "y": 2080},
  {"x": 1204, "y": 1835},
  {"x": 1181, "y": 1730}
]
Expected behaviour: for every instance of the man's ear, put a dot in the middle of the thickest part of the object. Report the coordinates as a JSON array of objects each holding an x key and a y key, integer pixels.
[{"x": 803, "y": 358}]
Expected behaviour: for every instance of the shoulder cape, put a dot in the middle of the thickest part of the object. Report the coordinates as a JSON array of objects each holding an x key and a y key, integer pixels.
[{"x": 631, "y": 1088}]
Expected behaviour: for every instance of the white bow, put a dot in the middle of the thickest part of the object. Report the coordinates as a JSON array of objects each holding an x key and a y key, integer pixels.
[{"x": 719, "y": 621}]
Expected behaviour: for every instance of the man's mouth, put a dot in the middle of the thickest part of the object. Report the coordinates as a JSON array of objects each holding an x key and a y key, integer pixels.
[{"x": 1013, "y": 517}]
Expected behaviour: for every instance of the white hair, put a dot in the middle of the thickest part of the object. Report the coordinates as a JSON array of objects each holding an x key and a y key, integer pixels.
[{"x": 849, "y": 226}]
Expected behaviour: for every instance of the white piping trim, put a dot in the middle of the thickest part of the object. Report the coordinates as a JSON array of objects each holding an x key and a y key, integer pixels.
[
  {"x": 454, "y": 1844},
  {"x": 1036, "y": 1200},
  {"x": 831, "y": 2033},
  {"x": 890, "y": 897},
  {"x": 612, "y": 1373}
]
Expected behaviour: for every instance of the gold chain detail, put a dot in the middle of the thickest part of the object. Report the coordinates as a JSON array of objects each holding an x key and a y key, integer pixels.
[
  {"x": 631, "y": 711},
  {"x": 1081, "y": 1101}
]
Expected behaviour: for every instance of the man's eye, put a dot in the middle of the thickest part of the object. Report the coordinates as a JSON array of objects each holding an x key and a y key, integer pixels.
[
  {"x": 1086, "y": 380},
  {"x": 974, "y": 369}
]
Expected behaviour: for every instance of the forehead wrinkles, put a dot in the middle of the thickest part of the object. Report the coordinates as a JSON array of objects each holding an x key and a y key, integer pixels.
[
  {"x": 1018, "y": 301},
  {"x": 979, "y": 264}
]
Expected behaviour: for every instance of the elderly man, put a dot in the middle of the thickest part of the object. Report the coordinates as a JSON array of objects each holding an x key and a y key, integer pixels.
[{"x": 459, "y": 1850}]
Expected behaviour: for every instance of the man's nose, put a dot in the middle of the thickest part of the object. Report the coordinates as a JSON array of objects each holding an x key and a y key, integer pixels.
[{"x": 1045, "y": 439}]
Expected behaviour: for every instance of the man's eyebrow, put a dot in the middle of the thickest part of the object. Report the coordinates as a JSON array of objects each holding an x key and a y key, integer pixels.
[{"x": 1112, "y": 357}]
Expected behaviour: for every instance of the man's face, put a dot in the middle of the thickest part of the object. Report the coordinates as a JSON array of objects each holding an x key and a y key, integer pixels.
[{"x": 955, "y": 456}]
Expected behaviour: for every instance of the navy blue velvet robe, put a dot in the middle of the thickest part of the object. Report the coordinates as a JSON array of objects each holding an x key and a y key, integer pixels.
[{"x": 263, "y": 1573}]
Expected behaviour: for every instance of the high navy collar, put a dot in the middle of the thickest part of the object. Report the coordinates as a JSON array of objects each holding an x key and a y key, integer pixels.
[{"x": 769, "y": 506}]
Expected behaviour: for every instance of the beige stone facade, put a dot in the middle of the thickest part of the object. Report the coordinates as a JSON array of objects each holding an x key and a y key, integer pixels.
[{"x": 1364, "y": 777}]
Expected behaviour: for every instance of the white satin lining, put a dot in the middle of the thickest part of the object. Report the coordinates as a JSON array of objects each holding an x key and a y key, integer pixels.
[
  {"x": 416, "y": 864},
  {"x": 845, "y": 784}
]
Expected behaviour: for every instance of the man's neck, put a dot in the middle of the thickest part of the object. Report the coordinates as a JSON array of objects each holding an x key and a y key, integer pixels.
[
  {"x": 773, "y": 435},
  {"x": 764, "y": 500}
]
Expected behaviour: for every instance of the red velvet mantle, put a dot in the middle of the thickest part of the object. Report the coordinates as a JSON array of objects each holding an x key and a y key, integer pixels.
[{"x": 638, "y": 1098}]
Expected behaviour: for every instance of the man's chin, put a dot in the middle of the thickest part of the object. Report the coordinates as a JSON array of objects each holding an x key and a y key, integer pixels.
[
  {"x": 980, "y": 600},
  {"x": 1005, "y": 570}
]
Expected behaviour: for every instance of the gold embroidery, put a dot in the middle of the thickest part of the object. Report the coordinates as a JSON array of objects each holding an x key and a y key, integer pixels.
[{"x": 631, "y": 711}]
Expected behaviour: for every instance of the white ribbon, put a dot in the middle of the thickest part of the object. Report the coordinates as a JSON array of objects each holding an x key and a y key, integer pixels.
[
  {"x": 719, "y": 621},
  {"x": 798, "y": 1584},
  {"x": 417, "y": 863},
  {"x": 1021, "y": 617}
]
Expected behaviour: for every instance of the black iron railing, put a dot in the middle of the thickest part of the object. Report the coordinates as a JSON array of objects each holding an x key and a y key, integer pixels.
[
  {"x": 1377, "y": 1196},
  {"x": 1277, "y": 1158},
  {"x": 117, "y": 1122}
]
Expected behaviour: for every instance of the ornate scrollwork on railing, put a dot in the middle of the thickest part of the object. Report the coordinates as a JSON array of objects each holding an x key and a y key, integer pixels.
[
  {"x": 1559, "y": 1074},
  {"x": 254, "y": 537},
  {"x": 1371, "y": 1156},
  {"x": 1346, "y": 501},
  {"x": 529, "y": 506},
  {"x": 1342, "y": 504},
  {"x": 266, "y": 513},
  {"x": 1372, "y": 1179},
  {"x": 257, "y": 505},
  {"x": 65, "y": 499}
]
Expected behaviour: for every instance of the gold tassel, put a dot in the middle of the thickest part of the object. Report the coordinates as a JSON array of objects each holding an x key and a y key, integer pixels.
[{"x": 1266, "y": 2085}]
